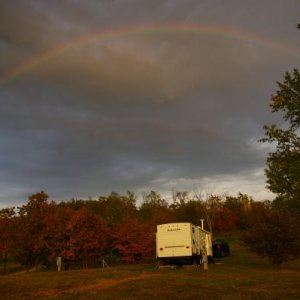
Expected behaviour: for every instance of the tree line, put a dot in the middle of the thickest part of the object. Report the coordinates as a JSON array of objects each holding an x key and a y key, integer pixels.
[{"x": 113, "y": 227}]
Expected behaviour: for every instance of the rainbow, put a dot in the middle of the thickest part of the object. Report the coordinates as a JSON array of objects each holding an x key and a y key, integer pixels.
[{"x": 114, "y": 33}]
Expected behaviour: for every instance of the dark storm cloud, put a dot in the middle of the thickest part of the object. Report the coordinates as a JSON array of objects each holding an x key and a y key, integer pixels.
[
  {"x": 149, "y": 111},
  {"x": 25, "y": 25}
]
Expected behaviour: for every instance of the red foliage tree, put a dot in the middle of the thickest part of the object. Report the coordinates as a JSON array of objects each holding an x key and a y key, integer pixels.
[
  {"x": 31, "y": 248},
  {"x": 134, "y": 241},
  {"x": 87, "y": 237},
  {"x": 54, "y": 236},
  {"x": 226, "y": 219},
  {"x": 7, "y": 234}
]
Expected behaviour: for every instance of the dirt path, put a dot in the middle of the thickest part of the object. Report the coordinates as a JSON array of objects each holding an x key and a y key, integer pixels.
[
  {"x": 102, "y": 284},
  {"x": 107, "y": 283}
]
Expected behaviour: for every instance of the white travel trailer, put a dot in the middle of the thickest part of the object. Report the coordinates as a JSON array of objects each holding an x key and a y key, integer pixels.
[{"x": 182, "y": 243}]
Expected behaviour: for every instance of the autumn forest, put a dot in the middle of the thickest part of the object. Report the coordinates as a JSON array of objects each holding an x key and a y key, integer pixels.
[{"x": 114, "y": 228}]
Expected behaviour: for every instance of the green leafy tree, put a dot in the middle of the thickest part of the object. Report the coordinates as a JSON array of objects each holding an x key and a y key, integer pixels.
[
  {"x": 240, "y": 206},
  {"x": 154, "y": 209},
  {"x": 115, "y": 207},
  {"x": 283, "y": 165},
  {"x": 190, "y": 211}
]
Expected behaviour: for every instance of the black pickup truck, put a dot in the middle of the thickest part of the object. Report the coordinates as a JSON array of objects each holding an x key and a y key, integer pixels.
[{"x": 220, "y": 248}]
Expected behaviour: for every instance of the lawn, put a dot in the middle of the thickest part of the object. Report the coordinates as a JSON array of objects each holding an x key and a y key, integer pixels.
[{"x": 241, "y": 275}]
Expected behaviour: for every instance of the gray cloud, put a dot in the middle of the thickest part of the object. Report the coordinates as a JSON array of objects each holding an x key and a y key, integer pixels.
[{"x": 146, "y": 111}]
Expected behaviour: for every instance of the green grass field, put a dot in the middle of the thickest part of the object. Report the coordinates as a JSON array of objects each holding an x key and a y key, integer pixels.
[{"x": 241, "y": 275}]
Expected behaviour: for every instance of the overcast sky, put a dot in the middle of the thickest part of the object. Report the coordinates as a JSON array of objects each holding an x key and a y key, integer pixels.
[{"x": 115, "y": 95}]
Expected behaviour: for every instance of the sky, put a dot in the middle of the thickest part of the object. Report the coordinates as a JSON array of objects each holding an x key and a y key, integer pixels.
[{"x": 115, "y": 95}]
